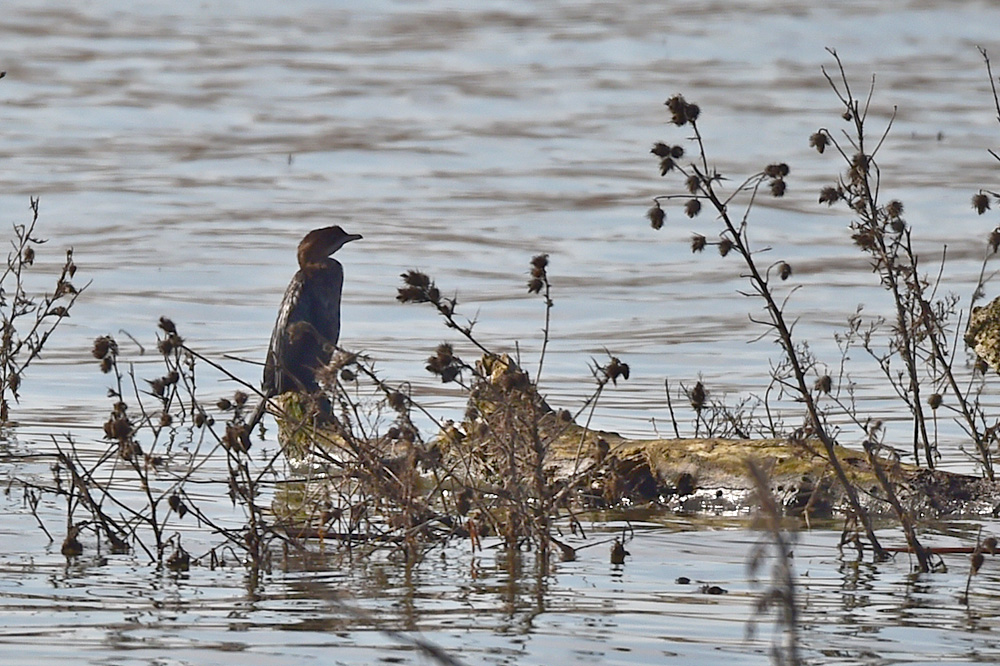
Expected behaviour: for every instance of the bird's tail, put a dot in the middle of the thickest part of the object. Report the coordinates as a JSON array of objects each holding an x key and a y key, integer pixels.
[{"x": 258, "y": 412}]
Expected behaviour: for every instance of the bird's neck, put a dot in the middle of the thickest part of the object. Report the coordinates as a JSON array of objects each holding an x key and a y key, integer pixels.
[{"x": 313, "y": 264}]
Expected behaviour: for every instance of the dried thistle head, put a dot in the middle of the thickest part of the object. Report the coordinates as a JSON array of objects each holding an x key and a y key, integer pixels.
[
  {"x": 693, "y": 184},
  {"x": 414, "y": 278},
  {"x": 168, "y": 326},
  {"x": 725, "y": 245},
  {"x": 237, "y": 438},
  {"x": 784, "y": 270},
  {"x": 157, "y": 387},
  {"x": 864, "y": 239},
  {"x": 692, "y": 207},
  {"x": 170, "y": 343},
  {"x": 177, "y": 505},
  {"x": 104, "y": 346},
  {"x": 418, "y": 288},
  {"x": 398, "y": 401},
  {"x": 660, "y": 149},
  {"x": 824, "y": 384},
  {"x": 819, "y": 140},
  {"x": 894, "y": 209},
  {"x": 538, "y": 273},
  {"x": 615, "y": 369},
  {"x": 777, "y": 173},
  {"x": 656, "y": 216},
  {"x": 69, "y": 266},
  {"x": 681, "y": 112},
  {"x": 981, "y": 202},
  {"x": 676, "y": 105},
  {"x": 444, "y": 363},
  {"x": 859, "y": 167},
  {"x": 831, "y": 195},
  {"x": 994, "y": 240},
  {"x": 106, "y": 350},
  {"x": 667, "y": 165},
  {"x": 697, "y": 397},
  {"x": 776, "y": 170},
  {"x": 118, "y": 427},
  {"x": 698, "y": 243},
  {"x": 934, "y": 400}
]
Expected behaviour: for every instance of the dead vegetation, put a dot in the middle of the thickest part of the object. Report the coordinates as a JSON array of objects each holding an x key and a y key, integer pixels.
[{"x": 356, "y": 471}]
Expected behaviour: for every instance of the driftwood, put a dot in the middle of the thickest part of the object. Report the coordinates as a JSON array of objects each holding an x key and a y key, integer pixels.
[
  {"x": 710, "y": 474},
  {"x": 603, "y": 469}
]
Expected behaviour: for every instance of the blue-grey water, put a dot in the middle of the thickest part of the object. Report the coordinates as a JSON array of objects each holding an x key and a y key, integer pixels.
[{"x": 182, "y": 149}]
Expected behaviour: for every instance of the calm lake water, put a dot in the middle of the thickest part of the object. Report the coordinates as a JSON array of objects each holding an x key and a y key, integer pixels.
[{"x": 183, "y": 149}]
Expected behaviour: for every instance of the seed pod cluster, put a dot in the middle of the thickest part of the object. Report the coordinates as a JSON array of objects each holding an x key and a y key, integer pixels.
[
  {"x": 777, "y": 173},
  {"x": 539, "y": 278},
  {"x": 105, "y": 350},
  {"x": 681, "y": 111},
  {"x": 615, "y": 369},
  {"x": 444, "y": 363},
  {"x": 419, "y": 288}
]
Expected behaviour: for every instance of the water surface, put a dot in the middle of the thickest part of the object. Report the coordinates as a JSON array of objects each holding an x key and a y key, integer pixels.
[{"x": 183, "y": 151}]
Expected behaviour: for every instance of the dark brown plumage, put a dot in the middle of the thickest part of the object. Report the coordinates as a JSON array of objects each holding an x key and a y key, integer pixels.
[{"x": 308, "y": 325}]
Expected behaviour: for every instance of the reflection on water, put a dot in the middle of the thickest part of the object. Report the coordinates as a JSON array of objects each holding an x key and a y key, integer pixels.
[
  {"x": 488, "y": 609},
  {"x": 184, "y": 149}
]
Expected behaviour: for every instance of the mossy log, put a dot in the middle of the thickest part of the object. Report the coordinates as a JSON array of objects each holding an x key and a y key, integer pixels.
[
  {"x": 605, "y": 469},
  {"x": 711, "y": 474}
]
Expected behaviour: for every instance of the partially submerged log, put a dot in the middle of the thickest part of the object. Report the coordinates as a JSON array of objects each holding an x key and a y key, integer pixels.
[
  {"x": 710, "y": 474},
  {"x": 604, "y": 470}
]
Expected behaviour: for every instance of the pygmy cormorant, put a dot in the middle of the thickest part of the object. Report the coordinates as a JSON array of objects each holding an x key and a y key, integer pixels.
[{"x": 308, "y": 324}]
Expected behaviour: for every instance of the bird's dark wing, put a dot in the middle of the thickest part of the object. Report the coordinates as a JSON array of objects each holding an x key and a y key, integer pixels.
[
  {"x": 307, "y": 328},
  {"x": 274, "y": 381}
]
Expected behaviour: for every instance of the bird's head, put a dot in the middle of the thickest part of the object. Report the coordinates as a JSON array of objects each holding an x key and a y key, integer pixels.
[{"x": 321, "y": 243}]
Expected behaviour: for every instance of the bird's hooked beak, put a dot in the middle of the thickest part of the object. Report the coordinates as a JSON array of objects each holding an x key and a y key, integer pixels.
[{"x": 347, "y": 238}]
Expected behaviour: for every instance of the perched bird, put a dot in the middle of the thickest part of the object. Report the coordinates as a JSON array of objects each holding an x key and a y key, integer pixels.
[{"x": 308, "y": 324}]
